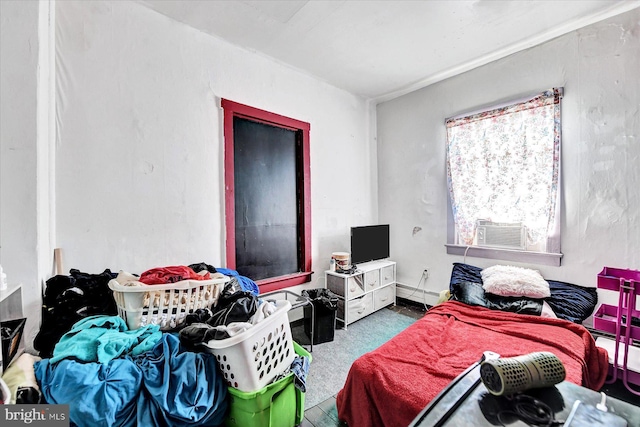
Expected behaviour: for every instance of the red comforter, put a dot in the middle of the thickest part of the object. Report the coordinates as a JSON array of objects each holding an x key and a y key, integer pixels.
[{"x": 392, "y": 384}]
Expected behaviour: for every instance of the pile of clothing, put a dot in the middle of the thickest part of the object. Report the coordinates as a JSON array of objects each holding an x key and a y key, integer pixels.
[
  {"x": 236, "y": 311},
  {"x": 68, "y": 299},
  {"x": 112, "y": 376}
]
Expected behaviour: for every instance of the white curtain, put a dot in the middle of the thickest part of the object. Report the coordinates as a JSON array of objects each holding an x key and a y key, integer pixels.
[{"x": 503, "y": 165}]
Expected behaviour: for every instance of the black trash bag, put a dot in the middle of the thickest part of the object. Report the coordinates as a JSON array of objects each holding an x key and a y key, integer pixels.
[
  {"x": 325, "y": 305},
  {"x": 322, "y": 298}
]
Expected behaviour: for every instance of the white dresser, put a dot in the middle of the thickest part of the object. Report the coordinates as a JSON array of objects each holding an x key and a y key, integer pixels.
[{"x": 370, "y": 288}]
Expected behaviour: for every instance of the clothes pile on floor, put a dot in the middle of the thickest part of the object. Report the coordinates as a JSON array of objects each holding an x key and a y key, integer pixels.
[
  {"x": 112, "y": 376},
  {"x": 120, "y": 384}
]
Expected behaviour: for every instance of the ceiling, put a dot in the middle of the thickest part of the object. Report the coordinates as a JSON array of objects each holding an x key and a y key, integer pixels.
[{"x": 382, "y": 49}]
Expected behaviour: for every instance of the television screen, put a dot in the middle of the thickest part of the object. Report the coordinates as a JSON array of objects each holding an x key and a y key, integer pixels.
[{"x": 369, "y": 243}]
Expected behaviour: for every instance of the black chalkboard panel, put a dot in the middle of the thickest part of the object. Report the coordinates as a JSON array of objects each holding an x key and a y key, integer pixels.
[{"x": 266, "y": 214}]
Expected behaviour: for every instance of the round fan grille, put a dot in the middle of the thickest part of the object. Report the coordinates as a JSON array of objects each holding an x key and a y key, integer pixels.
[{"x": 515, "y": 374}]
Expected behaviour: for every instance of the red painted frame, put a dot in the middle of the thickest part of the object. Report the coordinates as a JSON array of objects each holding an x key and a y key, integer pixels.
[{"x": 233, "y": 109}]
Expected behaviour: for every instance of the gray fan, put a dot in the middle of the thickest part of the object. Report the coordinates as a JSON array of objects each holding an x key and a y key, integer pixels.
[{"x": 514, "y": 374}]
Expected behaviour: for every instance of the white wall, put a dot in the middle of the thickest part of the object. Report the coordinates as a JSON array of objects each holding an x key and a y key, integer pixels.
[
  {"x": 139, "y": 147},
  {"x": 139, "y": 171},
  {"x": 598, "y": 67},
  {"x": 23, "y": 153},
  {"x": 18, "y": 66}
]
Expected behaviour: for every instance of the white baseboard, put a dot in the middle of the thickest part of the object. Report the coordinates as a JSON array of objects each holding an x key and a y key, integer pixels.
[{"x": 417, "y": 294}]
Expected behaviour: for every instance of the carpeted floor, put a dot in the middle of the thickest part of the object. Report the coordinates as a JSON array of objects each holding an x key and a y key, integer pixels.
[{"x": 331, "y": 360}]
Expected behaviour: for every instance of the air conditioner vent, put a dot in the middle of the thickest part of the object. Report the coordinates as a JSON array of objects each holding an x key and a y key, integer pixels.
[{"x": 508, "y": 235}]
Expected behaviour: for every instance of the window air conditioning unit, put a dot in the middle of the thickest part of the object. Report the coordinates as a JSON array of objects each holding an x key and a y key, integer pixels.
[{"x": 507, "y": 235}]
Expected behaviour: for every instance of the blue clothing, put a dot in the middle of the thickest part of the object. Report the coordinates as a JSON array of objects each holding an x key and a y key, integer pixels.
[
  {"x": 98, "y": 395},
  {"x": 166, "y": 386},
  {"x": 180, "y": 388},
  {"x": 300, "y": 369},
  {"x": 245, "y": 283},
  {"x": 103, "y": 338}
]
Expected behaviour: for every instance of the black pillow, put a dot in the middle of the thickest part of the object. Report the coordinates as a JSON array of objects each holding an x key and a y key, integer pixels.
[
  {"x": 469, "y": 293},
  {"x": 515, "y": 304},
  {"x": 473, "y": 294}
]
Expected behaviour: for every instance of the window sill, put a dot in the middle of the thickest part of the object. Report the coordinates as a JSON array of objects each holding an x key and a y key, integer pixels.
[
  {"x": 543, "y": 258},
  {"x": 276, "y": 283}
]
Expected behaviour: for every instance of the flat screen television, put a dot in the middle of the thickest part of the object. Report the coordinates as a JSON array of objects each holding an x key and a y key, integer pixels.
[{"x": 369, "y": 243}]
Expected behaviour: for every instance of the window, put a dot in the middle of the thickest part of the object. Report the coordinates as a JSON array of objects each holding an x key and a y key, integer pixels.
[
  {"x": 503, "y": 172},
  {"x": 267, "y": 196}
]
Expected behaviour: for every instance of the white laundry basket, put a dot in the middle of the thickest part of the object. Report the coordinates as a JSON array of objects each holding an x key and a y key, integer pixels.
[
  {"x": 164, "y": 305},
  {"x": 254, "y": 358}
]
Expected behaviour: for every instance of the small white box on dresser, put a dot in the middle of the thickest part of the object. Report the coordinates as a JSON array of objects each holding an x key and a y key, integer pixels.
[{"x": 370, "y": 288}]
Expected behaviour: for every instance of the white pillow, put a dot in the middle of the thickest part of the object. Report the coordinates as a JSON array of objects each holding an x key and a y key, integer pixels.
[{"x": 511, "y": 281}]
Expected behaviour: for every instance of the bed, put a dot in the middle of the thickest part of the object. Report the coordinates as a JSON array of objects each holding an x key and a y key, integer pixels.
[{"x": 392, "y": 384}]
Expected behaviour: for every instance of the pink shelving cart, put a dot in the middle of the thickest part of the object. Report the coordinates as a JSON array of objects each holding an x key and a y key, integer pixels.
[{"x": 622, "y": 321}]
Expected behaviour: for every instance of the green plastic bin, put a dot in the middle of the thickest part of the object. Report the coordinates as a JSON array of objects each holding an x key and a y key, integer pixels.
[{"x": 280, "y": 404}]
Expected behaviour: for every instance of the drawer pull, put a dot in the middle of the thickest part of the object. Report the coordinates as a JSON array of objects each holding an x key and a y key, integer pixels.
[{"x": 384, "y": 299}]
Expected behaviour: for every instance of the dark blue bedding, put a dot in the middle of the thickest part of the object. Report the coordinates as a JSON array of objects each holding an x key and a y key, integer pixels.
[{"x": 568, "y": 301}]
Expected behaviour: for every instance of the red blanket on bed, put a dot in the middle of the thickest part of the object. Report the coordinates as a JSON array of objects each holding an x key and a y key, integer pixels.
[{"x": 392, "y": 384}]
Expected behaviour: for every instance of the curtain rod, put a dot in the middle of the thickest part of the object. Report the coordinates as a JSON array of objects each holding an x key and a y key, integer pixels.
[{"x": 503, "y": 104}]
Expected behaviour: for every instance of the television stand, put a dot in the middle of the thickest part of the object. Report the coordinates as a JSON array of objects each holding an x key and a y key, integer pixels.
[{"x": 370, "y": 288}]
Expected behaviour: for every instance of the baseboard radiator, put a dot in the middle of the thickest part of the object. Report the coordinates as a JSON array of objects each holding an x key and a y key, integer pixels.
[{"x": 416, "y": 294}]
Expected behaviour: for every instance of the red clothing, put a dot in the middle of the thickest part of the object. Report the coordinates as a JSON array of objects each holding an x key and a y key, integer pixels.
[{"x": 176, "y": 273}]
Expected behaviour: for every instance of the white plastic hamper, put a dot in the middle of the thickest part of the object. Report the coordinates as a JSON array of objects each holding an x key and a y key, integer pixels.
[
  {"x": 252, "y": 359},
  {"x": 164, "y": 305}
]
